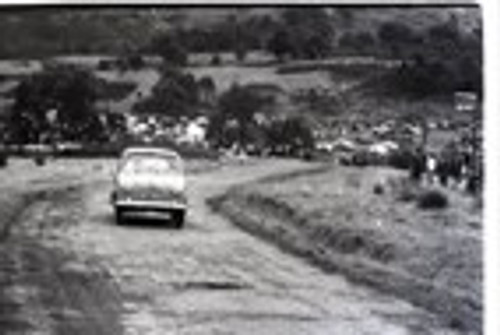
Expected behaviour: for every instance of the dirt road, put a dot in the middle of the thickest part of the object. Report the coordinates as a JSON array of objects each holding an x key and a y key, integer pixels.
[{"x": 209, "y": 278}]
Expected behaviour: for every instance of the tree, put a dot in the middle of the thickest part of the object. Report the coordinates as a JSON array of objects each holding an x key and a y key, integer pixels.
[
  {"x": 216, "y": 60},
  {"x": 135, "y": 61},
  {"x": 294, "y": 134},
  {"x": 207, "y": 82},
  {"x": 448, "y": 61},
  {"x": 311, "y": 31},
  {"x": 206, "y": 90},
  {"x": 69, "y": 91},
  {"x": 317, "y": 47},
  {"x": 240, "y": 38},
  {"x": 304, "y": 33},
  {"x": 234, "y": 121},
  {"x": 170, "y": 49},
  {"x": 396, "y": 36},
  {"x": 280, "y": 44},
  {"x": 116, "y": 124},
  {"x": 240, "y": 52},
  {"x": 357, "y": 42},
  {"x": 175, "y": 95},
  {"x": 240, "y": 103}
]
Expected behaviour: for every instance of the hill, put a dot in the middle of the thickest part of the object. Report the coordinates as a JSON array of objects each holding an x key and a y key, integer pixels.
[
  {"x": 45, "y": 31},
  {"x": 416, "y": 17}
]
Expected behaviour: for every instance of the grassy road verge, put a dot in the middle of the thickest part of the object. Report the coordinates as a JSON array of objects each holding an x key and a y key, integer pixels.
[{"x": 336, "y": 220}]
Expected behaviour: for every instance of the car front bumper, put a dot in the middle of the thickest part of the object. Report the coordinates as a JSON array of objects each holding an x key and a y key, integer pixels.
[
  {"x": 135, "y": 209},
  {"x": 148, "y": 205}
]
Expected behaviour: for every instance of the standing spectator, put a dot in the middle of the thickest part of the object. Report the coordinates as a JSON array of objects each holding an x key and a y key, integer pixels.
[{"x": 417, "y": 165}]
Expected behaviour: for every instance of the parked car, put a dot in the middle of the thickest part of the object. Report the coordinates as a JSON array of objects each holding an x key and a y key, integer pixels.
[
  {"x": 150, "y": 184},
  {"x": 39, "y": 152}
]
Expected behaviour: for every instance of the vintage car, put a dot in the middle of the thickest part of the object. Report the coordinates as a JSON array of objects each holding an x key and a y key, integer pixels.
[{"x": 150, "y": 184}]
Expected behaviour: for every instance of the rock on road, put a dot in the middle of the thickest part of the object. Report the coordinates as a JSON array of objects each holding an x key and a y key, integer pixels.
[{"x": 212, "y": 278}]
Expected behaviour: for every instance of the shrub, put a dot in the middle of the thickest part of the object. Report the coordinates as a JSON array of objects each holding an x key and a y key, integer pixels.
[
  {"x": 115, "y": 91},
  {"x": 360, "y": 158},
  {"x": 4, "y": 160},
  {"x": 216, "y": 60},
  {"x": 432, "y": 200},
  {"x": 104, "y": 65},
  {"x": 378, "y": 189},
  {"x": 400, "y": 159},
  {"x": 40, "y": 160}
]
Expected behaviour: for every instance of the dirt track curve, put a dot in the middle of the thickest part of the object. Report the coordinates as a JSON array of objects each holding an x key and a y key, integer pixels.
[{"x": 90, "y": 276}]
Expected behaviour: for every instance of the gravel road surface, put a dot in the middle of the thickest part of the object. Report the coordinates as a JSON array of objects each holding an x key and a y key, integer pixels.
[{"x": 209, "y": 278}]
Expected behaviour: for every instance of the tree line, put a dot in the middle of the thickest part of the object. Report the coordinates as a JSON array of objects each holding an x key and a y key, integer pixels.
[
  {"x": 438, "y": 59},
  {"x": 59, "y": 104}
]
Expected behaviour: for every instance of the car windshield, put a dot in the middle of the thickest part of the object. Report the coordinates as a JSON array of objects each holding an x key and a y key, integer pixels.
[{"x": 151, "y": 164}]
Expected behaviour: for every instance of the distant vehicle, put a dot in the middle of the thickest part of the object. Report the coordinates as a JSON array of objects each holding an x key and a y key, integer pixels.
[
  {"x": 37, "y": 149},
  {"x": 150, "y": 183},
  {"x": 68, "y": 146},
  {"x": 383, "y": 148},
  {"x": 38, "y": 152}
]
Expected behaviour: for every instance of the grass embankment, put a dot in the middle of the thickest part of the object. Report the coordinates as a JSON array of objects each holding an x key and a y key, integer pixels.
[{"x": 366, "y": 224}]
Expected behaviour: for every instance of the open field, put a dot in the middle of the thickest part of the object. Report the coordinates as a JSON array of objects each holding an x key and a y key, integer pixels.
[
  {"x": 226, "y": 76},
  {"x": 334, "y": 218}
]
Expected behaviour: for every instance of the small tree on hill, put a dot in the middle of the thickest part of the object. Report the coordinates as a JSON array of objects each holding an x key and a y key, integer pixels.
[
  {"x": 280, "y": 44},
  {"x": 170, "y": 49},
  {"x": 295, "y": 134},
  {"x": 237, "y": 108},
  {"x": 240, "y": 52},
  {"x": 396, "y": 37},
  {"x": 175, "y": 95}
]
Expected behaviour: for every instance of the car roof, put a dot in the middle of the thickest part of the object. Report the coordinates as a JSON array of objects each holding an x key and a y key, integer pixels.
[{"x": 150, "y": 150}]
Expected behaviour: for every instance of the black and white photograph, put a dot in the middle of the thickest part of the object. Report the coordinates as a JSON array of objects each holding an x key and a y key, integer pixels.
[{"x": 252, "y": 169}]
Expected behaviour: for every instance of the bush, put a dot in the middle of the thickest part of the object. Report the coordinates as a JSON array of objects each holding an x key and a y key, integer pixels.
[
  {"x": 216, "y": 60},
  {"x": 104, "y": 65},
  {"x": 400, "y": 159},
  {"x": 378, "y": 189},
  {"x": 360, "y": 158},
  {"x": 40, "y": 160},
  {"x": 170, "y": 48},
  {"x": 4, "y": 160},
  {"x": 432, "y": 200},
  {"x": 116, "y": 91}
]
